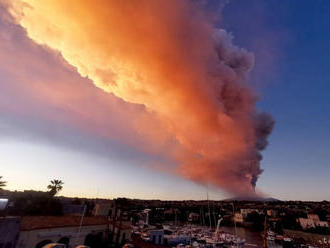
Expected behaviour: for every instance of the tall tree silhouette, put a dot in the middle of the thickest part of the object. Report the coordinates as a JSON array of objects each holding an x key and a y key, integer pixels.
[
  {"x": 2, "y": 183},
  {"x": 55, "y": 186}
]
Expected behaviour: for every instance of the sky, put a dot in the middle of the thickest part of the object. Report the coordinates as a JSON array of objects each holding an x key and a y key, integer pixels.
[
  {"x": 296, "y": 162},
  {"x": 107, "y": 142}
]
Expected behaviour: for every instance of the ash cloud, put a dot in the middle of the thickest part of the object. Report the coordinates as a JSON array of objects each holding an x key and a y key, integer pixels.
[{"x": 168, "y": 58}]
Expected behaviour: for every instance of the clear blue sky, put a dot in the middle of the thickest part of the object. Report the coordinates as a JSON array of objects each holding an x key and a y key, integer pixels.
[
  {"x": 291, "y": 42},
  {"x": 295, "y": 88}
]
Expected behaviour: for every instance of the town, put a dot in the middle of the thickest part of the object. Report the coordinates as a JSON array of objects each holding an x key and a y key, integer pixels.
[
  {"x": 164, "y": 124},
  {"x": 33, "y": 219}
]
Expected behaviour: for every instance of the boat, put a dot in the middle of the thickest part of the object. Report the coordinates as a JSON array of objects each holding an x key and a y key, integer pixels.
[{"x": 185, "y": 236}]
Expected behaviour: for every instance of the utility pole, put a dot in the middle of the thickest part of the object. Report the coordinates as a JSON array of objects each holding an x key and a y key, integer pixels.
[{"x": 81, "y": 222}]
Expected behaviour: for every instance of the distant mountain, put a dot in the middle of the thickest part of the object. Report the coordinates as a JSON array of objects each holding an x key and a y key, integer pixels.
[{"x": 252, "y": 198}]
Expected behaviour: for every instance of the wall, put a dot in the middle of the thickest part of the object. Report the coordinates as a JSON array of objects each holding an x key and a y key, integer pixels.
[
  {"x": 29, "y": 239},
  {"x": 9, "y": 230}
]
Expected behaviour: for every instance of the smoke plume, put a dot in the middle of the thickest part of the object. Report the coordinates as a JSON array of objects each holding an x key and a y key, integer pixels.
[{"x": 168, "y": 57}]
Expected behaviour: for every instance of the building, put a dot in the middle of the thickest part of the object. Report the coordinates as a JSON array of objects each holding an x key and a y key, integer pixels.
[
  {"x": 193, "y": 217},
  {"x": 9, "y": 231},
  {"x": 103, "y": 209},
  {"x": 312, "y": 221},
  {"x": 73, "y": 209},
  {"x": 157, "y": 236},
  {"x": 328, "y": 218},
  {"x": 272, "y": 213},
  {"x": 306, "y": 223},
  {"x": 321, "y": 223},
  {"x": 313, "y": 217},
  {"x": 238, "y": 218},
  {"x": 247, "y": 211},
  {"x": 37, "y": 231},
  {"x": 120, "y": 232}
]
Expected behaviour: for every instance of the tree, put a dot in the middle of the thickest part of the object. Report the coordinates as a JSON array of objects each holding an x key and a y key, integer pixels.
[
  {"x": 34, "y": 203},
  {"x": 257, "y": 220},
  {"x": 55, "y": 186},
  {"x": 322, "y": 213},
  {"x": 2, "y": 183}
]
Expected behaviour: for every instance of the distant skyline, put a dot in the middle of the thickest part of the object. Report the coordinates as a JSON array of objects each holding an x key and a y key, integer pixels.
[{"x": 54, "y": 123}]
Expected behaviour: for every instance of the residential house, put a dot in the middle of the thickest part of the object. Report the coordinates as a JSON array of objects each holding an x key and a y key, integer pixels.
[{"x": 37, "y": 231}]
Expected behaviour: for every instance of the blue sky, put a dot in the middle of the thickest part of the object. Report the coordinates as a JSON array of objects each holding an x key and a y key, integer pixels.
[
  {"x": 295, "y": 92},
  {"x": 291, "y": 43}
]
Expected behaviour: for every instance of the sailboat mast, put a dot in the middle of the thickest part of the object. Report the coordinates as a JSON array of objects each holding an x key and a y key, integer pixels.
[
  {"x": 265, "y": 232},
  {"x": 208, "y": 205},
  {"x": 234, "y": 222}
]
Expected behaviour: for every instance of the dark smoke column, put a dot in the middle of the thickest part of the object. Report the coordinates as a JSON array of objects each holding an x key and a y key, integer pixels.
[{"x": 263, "y": 127}]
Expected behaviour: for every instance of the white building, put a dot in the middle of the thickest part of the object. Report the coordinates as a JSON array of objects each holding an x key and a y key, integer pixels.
[
  {"x": 306, "y": 223},
  {"x": 103, "y": 209},
  {"x": 37, "y": 231},
  {"x": 321, "y": 223},
  {"x": 313, "y": 217}
]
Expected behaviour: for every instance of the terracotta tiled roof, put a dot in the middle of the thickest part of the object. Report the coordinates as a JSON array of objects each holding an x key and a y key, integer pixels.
[{"x": 44, "y": 222}]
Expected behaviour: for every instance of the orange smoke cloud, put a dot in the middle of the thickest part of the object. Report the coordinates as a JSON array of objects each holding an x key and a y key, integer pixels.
[{"x": 167, "y": 56}]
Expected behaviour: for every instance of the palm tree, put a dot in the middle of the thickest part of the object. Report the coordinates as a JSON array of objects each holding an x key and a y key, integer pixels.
[
  {"x": 2, "y": 183},
  {"x": 55, "y": 186}
]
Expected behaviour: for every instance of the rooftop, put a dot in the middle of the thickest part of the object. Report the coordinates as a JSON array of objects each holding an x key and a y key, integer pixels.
[{"x": 44, "y": 222}]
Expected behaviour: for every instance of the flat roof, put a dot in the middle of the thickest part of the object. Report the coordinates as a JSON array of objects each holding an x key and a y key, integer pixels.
[{"x": 44, "y": 222}]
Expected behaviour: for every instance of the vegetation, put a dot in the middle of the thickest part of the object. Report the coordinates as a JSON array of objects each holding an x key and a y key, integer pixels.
[
  {"x": 2, "y": 183},
  {"x": 257, "y": 220},
  {"x": 55, "y": 186},
  {"x": 322, "y": 213},
  {"x": 289, "y": 221},
  {"x": 38, "y": 205},
  {"x": 31, "y": 202}
]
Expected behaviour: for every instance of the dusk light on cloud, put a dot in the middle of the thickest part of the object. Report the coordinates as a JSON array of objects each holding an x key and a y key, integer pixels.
[{"x": 160, "y": 83}]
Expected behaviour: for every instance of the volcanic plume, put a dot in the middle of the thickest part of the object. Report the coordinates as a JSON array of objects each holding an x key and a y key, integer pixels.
[{"x": 168, "y": 57}]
